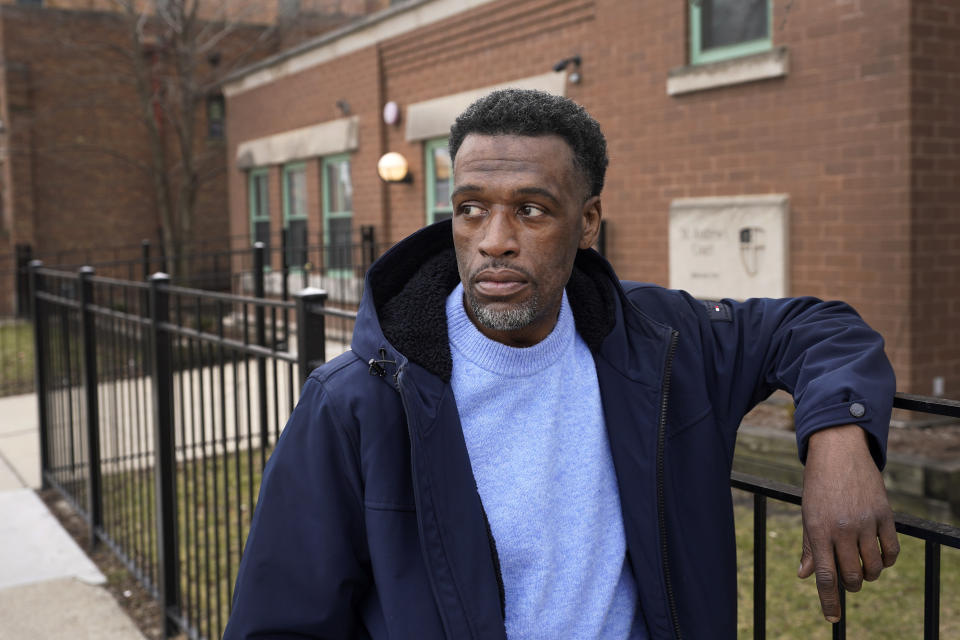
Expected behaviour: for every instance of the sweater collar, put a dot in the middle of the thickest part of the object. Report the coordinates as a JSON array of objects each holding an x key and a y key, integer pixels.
[{"x": 498, "y": 358}]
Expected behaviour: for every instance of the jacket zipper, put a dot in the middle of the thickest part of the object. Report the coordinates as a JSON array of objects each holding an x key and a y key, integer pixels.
[
  {"x": 661, "y": 508},
  {"x": 416, "y": 495}
]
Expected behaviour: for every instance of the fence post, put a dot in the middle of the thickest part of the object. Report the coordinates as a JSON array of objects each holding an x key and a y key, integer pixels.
[
  {"x": 259, "y": 292},
  {"x": 94, "y": 480},
  {"x": 311, "y": 331},
  {"x": 284, "y": 267},
  {"x": 24, "y": 256},
  {"x": 165, "y": 464},
  {"x": 368, "y": 246},
  {"x": 40, "y": 342},
  {"x": 145, "y": 258}
]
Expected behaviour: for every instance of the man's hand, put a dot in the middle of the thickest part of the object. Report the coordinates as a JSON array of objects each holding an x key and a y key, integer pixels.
[{"x": 845, "y": 512}]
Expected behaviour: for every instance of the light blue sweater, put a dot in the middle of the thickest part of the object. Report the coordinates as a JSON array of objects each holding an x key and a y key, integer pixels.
[{"x": 533, "y": 423}]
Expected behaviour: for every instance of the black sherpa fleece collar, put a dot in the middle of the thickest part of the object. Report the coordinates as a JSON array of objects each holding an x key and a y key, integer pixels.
[{"x": 410, "y": 285}]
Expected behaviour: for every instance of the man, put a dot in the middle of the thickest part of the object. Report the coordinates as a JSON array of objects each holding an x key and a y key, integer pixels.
[{"x": 521, "y": 445}]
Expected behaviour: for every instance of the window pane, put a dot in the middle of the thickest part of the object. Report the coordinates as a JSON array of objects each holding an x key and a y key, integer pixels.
[
  {"x": 341, "y": 189},
  {"x": 215, "y": 116},
  {"x": 340, "y": 247},
  {"x": 296, "y": 243},
  {"x": 441, "y": 179},
  {"x": 727, "y": 22},
  {"x": 260, "y": 202},
  {"x": 296, "y": 193},
  {"x": 441, "y": 215}
]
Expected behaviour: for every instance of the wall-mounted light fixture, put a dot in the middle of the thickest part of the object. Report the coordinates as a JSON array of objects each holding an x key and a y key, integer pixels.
[
  {"x": 566, "y": 62},
  {"x": 393, "y": 167},
  {"x": 391, "y": 113},
  {"x": 343, "y": 106}
]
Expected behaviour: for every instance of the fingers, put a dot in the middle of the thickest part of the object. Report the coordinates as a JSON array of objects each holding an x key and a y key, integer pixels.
[
  {"x": 806, "y": 559},
  {"x": 818, "y": 558},
  {"x": 889, "y": 544},
  {"x": 870, "y": 557},
  {"x": 826, "y": 577},
  {"x": 847, "y": 551}
]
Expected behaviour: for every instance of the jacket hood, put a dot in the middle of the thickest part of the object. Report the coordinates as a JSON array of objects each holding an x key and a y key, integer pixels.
[{"x": 403, "y": 306}]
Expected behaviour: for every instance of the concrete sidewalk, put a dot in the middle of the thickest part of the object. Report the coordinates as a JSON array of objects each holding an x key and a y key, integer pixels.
[{"x": 48, "y": 587}]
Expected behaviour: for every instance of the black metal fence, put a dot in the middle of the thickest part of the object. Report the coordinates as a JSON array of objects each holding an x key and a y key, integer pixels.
[
  {"x": 934, "y": 534},
  {"x": 158, "y": 408},
  {"x": 248, "y": 271}
]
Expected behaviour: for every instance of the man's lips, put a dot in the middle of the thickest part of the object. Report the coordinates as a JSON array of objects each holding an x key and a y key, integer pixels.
[{"x": 499, "y": 283}]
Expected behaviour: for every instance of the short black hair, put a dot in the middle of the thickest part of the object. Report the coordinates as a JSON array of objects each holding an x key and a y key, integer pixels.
[{"x": 527, "y": 112}]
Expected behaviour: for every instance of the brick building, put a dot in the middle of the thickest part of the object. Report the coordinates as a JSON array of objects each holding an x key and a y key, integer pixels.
[
  {"x": 840, "y": 117},
  {"x": 75, "y": 154}
]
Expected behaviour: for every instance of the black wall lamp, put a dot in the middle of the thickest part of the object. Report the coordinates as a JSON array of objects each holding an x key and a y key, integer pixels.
[{"x": 566, "y": 62}]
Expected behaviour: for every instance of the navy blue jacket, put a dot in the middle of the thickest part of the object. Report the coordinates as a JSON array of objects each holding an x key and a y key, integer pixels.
[{"x": 369, "y": 523}]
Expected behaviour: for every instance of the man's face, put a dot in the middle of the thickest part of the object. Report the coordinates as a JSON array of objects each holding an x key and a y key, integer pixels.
[{"x": 519, "y": 216}]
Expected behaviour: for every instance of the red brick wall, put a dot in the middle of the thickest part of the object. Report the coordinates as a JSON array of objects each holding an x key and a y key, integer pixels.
[
  {"x": 75, "y": 141},
  {"x": 833, "y": 134},
  {"x": 474, "y": 49},
  {"x": 870, "y": 193},
  {"x": 302, "y": 100},
  {"x": 79, "y": 152},
  {"x": 935, "y": 194},
  {"x": 248, "y": 11}
]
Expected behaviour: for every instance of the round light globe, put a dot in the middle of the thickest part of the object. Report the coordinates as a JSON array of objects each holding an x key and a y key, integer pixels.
[{"x": 392, "y": 167}]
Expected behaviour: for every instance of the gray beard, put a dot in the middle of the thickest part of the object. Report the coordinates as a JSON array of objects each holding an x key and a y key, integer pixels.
[{"x": 509, "y": 319}]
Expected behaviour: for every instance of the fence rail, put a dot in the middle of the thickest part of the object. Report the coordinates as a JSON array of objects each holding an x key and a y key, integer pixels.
[
  {"x": 159, "y": 406},
  {"x": 251, "y": 271}
]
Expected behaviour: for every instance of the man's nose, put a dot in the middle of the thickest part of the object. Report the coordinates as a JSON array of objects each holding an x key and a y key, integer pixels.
[{"x": 499, "y": 234}]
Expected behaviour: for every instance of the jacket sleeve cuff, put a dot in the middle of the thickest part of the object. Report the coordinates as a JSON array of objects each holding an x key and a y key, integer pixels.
[{"x": 854, "y": 411}]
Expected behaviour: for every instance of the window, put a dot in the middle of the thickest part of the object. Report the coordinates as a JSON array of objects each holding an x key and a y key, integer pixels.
[
  {"x": 338, "y": 214},
  {"x": 259, "y": 197},
  {"x": 216, "y": 109},
  {"x": 288, "y": 8},
  {"x": 722, "y": 29},
  {"x": 295, "y": 213},
  {"x": 439, "y": 180}
]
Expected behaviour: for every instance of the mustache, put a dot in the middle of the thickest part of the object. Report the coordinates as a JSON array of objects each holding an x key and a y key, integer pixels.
[{"x": 500, "y": 264}]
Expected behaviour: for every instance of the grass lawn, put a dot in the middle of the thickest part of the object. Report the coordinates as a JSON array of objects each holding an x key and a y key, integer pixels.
[
  {"x": 16, "y": 357},
  {"x": 215, "y": 502},
  {"x": 216, "y": 499},
  {"x": 892, "y": 607}
]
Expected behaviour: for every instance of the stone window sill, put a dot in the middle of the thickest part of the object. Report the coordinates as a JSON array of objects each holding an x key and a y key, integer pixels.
[{"x": 759, "y": 66}]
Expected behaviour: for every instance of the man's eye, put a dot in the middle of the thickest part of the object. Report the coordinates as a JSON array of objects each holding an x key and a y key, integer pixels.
[
  {"x": 530, "y": 211},
  {"x": 470, "y": 210}
]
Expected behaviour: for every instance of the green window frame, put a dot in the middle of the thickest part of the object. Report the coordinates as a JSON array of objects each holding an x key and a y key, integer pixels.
[
  {"x": 258, "y": 190},
  {"x": 701, "y": 55},
  {"x": 337, "y": 215},
  {"x": 438, "y": 206},
  {"x": 295, "y": 213}
]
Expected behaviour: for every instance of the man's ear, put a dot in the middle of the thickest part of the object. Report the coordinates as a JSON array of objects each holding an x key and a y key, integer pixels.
[{"x": 592, "y": 213}]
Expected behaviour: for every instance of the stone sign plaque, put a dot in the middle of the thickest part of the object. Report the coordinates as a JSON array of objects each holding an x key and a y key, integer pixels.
[{"x": 733, "y": 247}]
